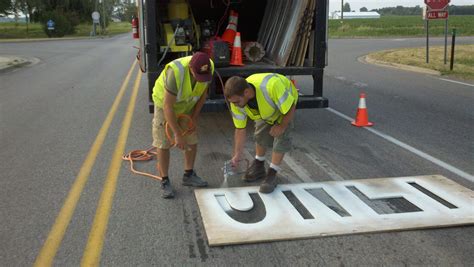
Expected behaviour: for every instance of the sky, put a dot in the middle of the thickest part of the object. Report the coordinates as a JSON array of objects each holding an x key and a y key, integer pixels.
[{"x": 374, "y": 4}]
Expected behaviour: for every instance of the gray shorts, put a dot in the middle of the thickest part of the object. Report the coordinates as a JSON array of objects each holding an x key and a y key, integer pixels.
[{"x": 280, "y": 144}]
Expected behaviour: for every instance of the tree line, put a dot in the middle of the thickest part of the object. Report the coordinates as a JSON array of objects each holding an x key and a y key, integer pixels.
[
  {"x": 67, "y": 14},
  {"x": 417, "y": 10},
  {"x": 78, "y": 10}
]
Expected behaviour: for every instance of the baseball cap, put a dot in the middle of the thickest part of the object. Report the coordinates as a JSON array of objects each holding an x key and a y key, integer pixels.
[{"x": 201, "y": 66}]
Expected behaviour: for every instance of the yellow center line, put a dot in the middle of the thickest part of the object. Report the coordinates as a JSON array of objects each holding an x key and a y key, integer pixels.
[
  {"x": 55, "y": 236},
  {"x": 91, "y": 256}
]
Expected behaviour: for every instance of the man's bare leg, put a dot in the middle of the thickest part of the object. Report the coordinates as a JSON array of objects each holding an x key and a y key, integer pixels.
[
  {"x": 162, "y": 167},
  {"x": 190, "y": 177},
  {"x": 163, "y": 163},
  {"x": 190, "y": 157}
]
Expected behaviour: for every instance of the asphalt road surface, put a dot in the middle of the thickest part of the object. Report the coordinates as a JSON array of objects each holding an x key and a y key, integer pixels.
[{"x": 61, "y": 136}]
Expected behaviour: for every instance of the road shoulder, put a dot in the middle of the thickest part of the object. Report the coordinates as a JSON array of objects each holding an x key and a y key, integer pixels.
[
  {"x": 370, "y": 60},
  {"x": 9, "y": 62}
]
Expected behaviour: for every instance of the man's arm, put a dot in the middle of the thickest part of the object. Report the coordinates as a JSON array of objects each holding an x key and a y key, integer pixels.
[
  {"x": 170, "y": 117},
  {"x": 288, "y": 116},
  {"x": 239, "y": 143},
  {"x": 198, "y": 106},
  {"x": 279, "y": 129}
]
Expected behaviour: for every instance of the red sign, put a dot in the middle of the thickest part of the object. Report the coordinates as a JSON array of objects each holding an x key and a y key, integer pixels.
[
  {"x": 437, "y": 4},
  {"x": 437, "y": 14}
]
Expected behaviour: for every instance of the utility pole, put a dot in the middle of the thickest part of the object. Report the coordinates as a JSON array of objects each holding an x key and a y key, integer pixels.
[
  {"x": 103, "y": 25},
  {"x": 104, "y": 16},
  {"x": 342, "y": 10}
]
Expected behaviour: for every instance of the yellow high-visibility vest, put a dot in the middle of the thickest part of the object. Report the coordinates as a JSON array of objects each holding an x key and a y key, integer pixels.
[
  {"x": 275, "y": 95},
  {"x": 187, "y": 97}
]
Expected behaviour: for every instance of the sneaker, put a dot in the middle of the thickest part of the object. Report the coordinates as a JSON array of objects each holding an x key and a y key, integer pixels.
[
  {"x": 270, "y": 182},
  {"x": 255, "y": 171},
  {"x": 166, "y": 189},
  {"x": 194, "y": 180}
]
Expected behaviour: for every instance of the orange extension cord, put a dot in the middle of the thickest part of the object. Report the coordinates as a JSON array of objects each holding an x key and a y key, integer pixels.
[{"x": 146, "y": 155}]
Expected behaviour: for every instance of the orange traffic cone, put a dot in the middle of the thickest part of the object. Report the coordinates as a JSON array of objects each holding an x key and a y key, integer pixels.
[
  {"x": 362, "y": 117},
  {"x": 231, "y": 30},
  {"x": 236, "y": 59}
]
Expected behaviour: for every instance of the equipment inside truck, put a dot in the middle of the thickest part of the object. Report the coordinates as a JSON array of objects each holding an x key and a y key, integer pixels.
[{"x": 281, "y": 36}]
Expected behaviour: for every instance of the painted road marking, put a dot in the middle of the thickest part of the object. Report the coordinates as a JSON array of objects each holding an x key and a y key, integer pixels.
[
  {"x": 320, "y": 163},
  {"x": 420, "y": 153},
  {"x": 91, "y": 256},
  {"x": 55, "y": 236},
  {"x": 301, "y": 172},
  {"x": 452, "y": 81},
  {"x": 242, "y": 215}
]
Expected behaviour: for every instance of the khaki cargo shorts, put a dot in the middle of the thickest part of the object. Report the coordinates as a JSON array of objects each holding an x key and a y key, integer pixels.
[
  {"x": 160, "y": 140},
  {"x": 280, "y": 144}
]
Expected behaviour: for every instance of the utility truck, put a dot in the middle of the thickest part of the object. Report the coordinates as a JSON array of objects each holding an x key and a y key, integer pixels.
[{"x": 282, "y": 36}]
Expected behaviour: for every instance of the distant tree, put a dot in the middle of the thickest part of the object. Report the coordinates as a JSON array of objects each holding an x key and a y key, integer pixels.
[
  {"x": 399, "y": 11},
  {"x": 125, "y": 10},
  {"x": 131, "y": 11},
  {"x": 363, "y": 9},
  {"x": 62, "y": 22},
  {"x": 347, "y": 7},
  {"x": 461, "y": 10},
  {"x": 5, "y": 8}
]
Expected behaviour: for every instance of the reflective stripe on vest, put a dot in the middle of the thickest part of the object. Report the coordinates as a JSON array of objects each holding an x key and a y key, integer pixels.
[
  {"x": 283, "y": 98},
  {"x": 276, "y": 107},
  {"x": 187, "y": 95},
  {"x": 181, "y": 77},
  {"x": 240, "y": 117},
  {"x": 264, "y": 89}
]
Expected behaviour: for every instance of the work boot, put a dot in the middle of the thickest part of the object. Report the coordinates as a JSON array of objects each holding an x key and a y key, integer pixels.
[
  {"x": 255, "y": 171},
  {"x": 193, "y": 180},
  {"x": 166, "y": 189},
  {"x": 270, "y": 182}
]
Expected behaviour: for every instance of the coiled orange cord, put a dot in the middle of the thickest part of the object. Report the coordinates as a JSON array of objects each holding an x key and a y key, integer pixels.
[
  {"x": 146, "y": 155},
  {"x": 189, "y": 129}
]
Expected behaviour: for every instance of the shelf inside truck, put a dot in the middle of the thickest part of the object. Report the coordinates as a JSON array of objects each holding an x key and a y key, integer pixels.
[{"x": 251, "y": 68}]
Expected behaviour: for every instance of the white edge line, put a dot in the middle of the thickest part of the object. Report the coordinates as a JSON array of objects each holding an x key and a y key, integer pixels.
[
  {"x": 467, "y": 84},
  {"x": 316, "y": 160},
  {"x": 420, "y": 153},
  {"x": 302, "y": 173}
]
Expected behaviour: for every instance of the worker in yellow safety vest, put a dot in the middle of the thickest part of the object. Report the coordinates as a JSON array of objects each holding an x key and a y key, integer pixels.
[
  {"x": 181, "y": 88},
  {"x": 270, "y": 100}
]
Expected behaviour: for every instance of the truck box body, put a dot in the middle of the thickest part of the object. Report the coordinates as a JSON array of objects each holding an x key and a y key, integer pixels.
[{"x": 155, "y": 35}]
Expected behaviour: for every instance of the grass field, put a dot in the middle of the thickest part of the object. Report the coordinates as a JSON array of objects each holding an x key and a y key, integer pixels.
[
  {"x": 19, "y": 31},
  {"x": 463, "y": 59},
  {"x": 404, "y": 26}
]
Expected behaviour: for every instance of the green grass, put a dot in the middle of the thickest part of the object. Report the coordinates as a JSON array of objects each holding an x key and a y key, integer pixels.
[
  {"x": 18, "y": 31},
  {"x": 463, "y": 59},
  {"x": 403, "y": 26}
]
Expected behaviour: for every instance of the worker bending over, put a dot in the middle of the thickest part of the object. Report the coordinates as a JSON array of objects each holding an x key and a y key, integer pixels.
[
  {"x": 181, "y": 88},
  {"x": 270, "y": 100}
]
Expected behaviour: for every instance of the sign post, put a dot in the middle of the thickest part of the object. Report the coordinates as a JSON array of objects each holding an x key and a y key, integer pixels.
[
  {"x": 445, "y": 41},
  {"x": 50, "y": 26},
  {"x": 95, "y": 20},
  {"x": 436, "y": 9}
]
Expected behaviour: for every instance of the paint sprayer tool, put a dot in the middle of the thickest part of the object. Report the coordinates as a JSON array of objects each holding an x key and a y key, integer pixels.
[
  {"x": 231, "y": 170},
  {"x": 237, "y": 169}
]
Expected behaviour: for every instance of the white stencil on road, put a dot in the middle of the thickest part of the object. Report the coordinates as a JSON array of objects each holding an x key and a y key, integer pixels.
[{"x": 242, "y": 215}]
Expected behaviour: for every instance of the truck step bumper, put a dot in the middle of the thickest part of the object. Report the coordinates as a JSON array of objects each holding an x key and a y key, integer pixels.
[{"x": 304, "y": 102}]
